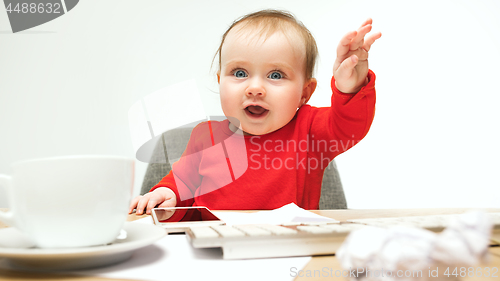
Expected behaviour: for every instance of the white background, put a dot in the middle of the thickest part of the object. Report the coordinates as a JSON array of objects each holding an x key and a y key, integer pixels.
[{"x": 66, "y": 87}]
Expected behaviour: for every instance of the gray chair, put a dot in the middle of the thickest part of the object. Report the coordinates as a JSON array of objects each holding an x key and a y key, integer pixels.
[{"x": 332, "y": 193}]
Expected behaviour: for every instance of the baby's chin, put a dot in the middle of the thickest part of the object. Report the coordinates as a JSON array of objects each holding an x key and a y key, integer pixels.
[{"x": 258, "y": 131}]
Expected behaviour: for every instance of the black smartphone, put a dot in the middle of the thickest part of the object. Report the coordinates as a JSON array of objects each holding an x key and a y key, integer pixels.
[{"x": 178, "y": 219}]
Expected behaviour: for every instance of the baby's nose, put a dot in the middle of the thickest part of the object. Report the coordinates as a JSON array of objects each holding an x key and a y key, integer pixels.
[{"x": 256, "y": 88}]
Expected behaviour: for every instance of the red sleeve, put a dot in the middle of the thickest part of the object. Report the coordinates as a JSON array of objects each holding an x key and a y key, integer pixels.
[
  {"x": 349, "y": 118},
  {"x": 184, "y": 178},
  {"x": 355, "y": 110}
]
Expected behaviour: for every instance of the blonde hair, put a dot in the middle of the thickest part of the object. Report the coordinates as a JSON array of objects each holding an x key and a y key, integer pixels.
[{"x": 271, "y": 21}]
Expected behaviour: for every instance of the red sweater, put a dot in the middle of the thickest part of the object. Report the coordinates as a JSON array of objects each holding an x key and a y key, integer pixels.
[{"x": 223, "y": 170}]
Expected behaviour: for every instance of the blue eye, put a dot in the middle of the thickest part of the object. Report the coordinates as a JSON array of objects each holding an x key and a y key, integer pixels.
[
  {"x": 240, "y": 74},
  {"x": 275, "y": 75}
]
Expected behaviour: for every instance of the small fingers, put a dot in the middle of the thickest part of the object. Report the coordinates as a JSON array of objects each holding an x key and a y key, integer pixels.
[
  {"x": 370, "y": 40},
  {"x": 345, "y": 73},
  {"x": 151, "y": 204},
  {"x": 133, "y": 204},
  {"x": 358, "y": 41},
  {"x": 346, "y": 68},
  {"x": 147, "y": 202},
  {"x": 141, "y": 204},
  {"x": 366, "y": 22},
  {"x": 162, "y": 195},
  {"x": 343, "y": 47}
]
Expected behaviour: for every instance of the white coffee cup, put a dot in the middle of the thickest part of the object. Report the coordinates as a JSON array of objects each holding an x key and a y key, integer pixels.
[{"x": 72, "y": 201}]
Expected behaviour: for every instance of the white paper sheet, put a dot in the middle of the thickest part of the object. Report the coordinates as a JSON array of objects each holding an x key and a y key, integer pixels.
[{"x": 287, "y": 213}]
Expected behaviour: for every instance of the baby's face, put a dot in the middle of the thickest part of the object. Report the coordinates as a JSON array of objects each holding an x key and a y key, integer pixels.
[{"x": 261, "y": 82}]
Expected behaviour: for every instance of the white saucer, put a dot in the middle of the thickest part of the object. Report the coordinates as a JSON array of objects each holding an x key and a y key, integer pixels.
[{"x": 138, "y": 235}]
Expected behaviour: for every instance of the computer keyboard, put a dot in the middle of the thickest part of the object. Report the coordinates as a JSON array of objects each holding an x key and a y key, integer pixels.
[{"x": 302, "y": 239}]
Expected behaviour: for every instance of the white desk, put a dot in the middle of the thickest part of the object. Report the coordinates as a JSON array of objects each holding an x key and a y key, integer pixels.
[{"x": 317, "y": 263}]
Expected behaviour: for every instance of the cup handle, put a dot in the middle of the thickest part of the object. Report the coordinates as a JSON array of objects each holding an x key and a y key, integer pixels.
[{"x": 6, "y": 217}]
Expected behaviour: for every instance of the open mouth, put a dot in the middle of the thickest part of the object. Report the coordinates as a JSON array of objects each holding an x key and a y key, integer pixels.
[{"x": 256, "y": 111}]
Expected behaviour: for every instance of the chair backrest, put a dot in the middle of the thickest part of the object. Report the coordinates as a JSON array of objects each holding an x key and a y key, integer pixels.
[{"x": 332, "y": 193}]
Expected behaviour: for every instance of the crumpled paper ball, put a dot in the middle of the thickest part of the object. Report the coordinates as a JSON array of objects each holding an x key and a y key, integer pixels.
[{"x": 409, "y": 253}]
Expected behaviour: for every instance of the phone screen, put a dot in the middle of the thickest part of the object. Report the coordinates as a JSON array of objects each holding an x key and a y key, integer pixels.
[{"x": 191, "y": 214}]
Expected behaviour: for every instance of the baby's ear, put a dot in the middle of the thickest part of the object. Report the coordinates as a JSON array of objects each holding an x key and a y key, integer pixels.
[{"x": 308, "y": 90}]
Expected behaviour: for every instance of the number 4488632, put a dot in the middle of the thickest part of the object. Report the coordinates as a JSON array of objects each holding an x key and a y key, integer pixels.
[
  {"x": 471, "y": 272},
  {"x": 34, "y": 8}
]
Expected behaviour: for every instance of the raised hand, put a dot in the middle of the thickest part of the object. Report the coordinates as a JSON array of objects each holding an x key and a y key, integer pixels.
[{"x": 351, "y": 66}]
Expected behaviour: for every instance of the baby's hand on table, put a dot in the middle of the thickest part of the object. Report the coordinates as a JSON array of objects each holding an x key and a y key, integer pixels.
[
  {"x": 162, "y": 197},
  {"x": 351, "y": 67}
]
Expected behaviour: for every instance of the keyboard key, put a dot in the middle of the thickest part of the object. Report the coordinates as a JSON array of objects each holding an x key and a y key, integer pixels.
[
  {"x": 314, "y": 229},
  {"x": 228, "y": 231},
  {"x": 278, "y": 230},
  {"x": 318, "y": 223},
  {"x": 253, "y": 230},
  {"x": 204, "y": 232},
  {"x": 337, "y": 228}
]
